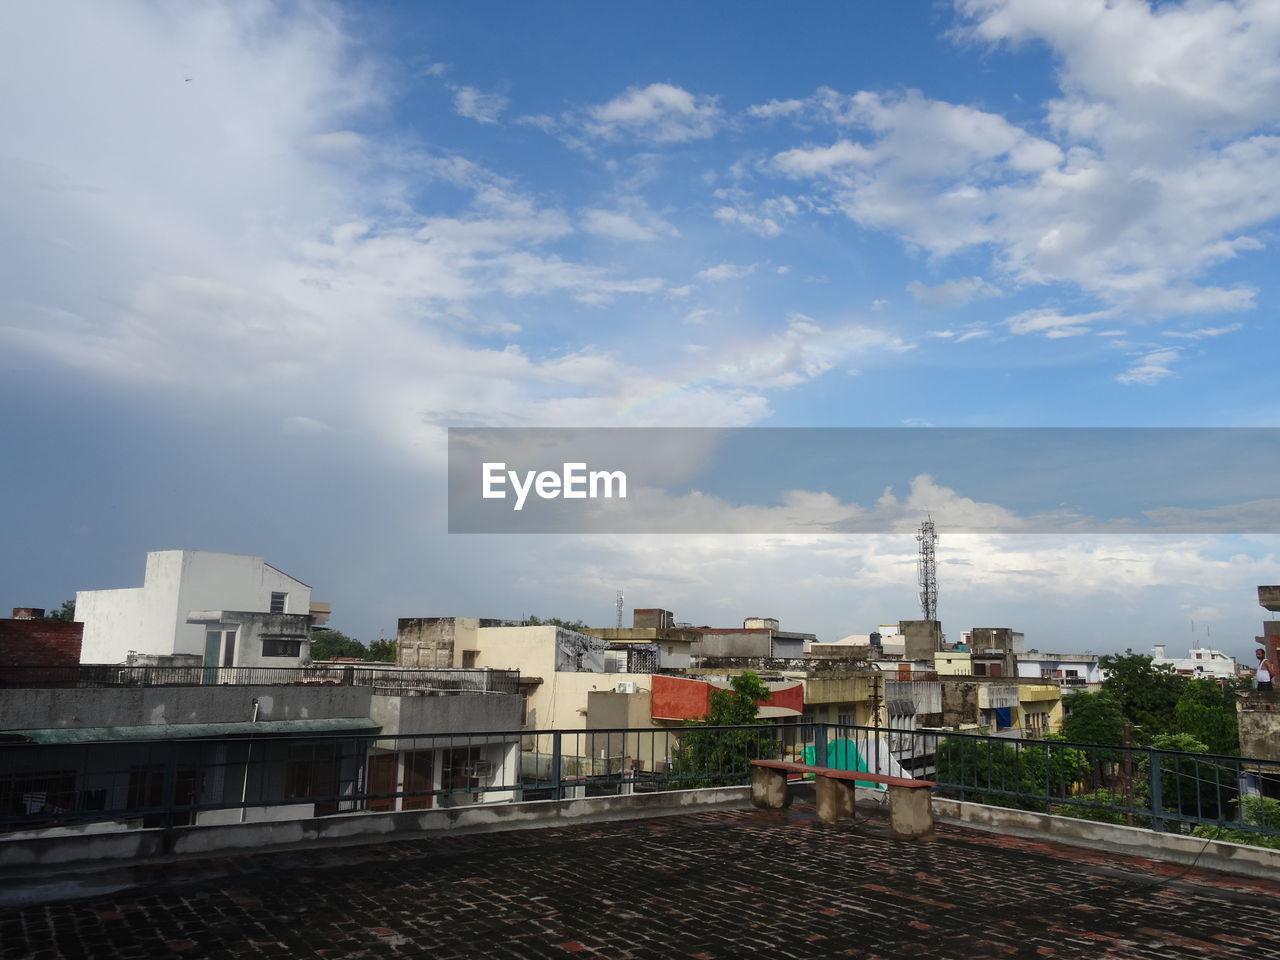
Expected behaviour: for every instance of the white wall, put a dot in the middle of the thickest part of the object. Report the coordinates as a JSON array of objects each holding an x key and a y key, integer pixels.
[{"x": 153, "y": 618}]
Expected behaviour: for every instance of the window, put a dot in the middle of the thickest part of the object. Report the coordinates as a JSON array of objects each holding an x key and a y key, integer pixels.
[
  {"x": 469, "y": 659},
  {"x": 460, "y": 769},
  {"x": 311, "y": 772},
  {"x": 277, "y": 602},
  {"x": 229, "y": 649},
  {"x": 275, "y": 647}
]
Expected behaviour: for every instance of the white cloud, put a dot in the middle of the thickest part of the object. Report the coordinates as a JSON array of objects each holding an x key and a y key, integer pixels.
[
  {"x": 337, "y": 142},
  {"x": 776, "y": 108},
  {"x": 659, "y": 112},
  {"x": 1052, "y": 323},
  {"x": 481, "y": 107},
  {"x": 621, "y": 226},
  {"x": 275, "y": 240},
  {"x": 1158, "y": 164},
  {"x": 1151, "y": 368},
  {"x": 764, "y": 226},
  {"x": 726, "y": 271},
  {"x": 1173, "y": 73},
  {"x": 818, "y": 161},
  {"x": 1203, "y": 332},
  {"x": 973, "y": 331},
  {"x": 698, "y": 316},
  {"x": 952, "y": 293},
  {"x": 803, "y": 352}
]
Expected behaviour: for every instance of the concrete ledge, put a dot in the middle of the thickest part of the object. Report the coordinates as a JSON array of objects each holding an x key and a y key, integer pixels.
[
  {"x": 1260, "y": 862},
  {"x": 91, "y": 846}
]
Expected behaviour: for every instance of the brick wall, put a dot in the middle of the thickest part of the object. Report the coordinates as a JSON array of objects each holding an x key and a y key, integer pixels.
[{"x": 39, "y": 643}]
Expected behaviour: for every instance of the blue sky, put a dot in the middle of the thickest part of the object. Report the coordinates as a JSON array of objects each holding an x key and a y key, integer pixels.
[{"x": 256, "y": 258}]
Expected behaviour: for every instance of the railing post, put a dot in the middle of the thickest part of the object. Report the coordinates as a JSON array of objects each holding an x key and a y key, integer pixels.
[
  {"x": 557, "y": 792},
  {"x": 1048, "y": 777},
  {"x": 170, "y": 787},
  {"x": 1157, "y": 796},
  {"x": 819, "y": 744}
]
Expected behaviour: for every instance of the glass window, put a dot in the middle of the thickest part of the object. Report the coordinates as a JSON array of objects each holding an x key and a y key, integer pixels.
[
  {"x": 277, "y": 602},
  {"x": 281, "y": 648}
]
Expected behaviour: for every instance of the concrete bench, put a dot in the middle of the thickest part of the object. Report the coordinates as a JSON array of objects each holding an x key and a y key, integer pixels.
[{"x": 910, "y": 813}]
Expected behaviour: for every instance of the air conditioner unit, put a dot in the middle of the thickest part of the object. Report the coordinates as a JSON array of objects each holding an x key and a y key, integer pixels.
[
  {"x": 626, "y": 686},
  {"x": 480, "y": 770}
]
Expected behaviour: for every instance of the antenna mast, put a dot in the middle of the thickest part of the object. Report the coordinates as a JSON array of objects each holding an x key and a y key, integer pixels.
[
  {"x": 618, "y": 622},
  {"x": 928, "y": 570}
]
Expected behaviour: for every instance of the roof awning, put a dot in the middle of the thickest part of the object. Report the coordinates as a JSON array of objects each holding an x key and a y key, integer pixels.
[{"x": 187, "y": 731}]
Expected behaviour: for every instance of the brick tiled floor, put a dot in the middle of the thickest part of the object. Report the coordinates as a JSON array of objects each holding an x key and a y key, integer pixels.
[{"x": 707, "y": 886}]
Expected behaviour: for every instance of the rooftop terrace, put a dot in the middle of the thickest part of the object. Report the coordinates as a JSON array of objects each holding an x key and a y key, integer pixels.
[{"x": 711, "y": 885}]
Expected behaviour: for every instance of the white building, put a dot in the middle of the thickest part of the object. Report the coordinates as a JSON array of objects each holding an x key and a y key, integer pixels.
[
  {"x": 1199, "y": 662},
  {"x": 1070, "y": 671},
  {"x": 210, "y": 609}
]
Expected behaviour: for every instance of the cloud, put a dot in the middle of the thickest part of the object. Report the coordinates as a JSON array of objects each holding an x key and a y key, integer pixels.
[
  {"x": 481, "y": 107},
  {"x": 1203, "y": 332},
  {"x": 776, "y": 108},
  {"x": 1149, "y": 170},
  {"x": 1151, "y": 368},
  {"x": 660, "y": 112},
  {"x": 803, "y": 352},
  {"x": 1052, "y": 324},
  {"x": 952, "y": 293},
  {"x": 321, "y": 268},
  {"x": 973, "y": 331},
  {"x": 620, "y": 226},
  {"x": 764, "y": 226},
  {"x": 820, "y": 161},
  {"x": 1137, "y": 73},
  {"x": 302, "y": 426},
  {"x": 726, "y": 271}
]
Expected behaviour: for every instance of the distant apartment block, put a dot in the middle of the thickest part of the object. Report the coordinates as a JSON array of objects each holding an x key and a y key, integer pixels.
[
  {"x": 1199, "y": 662},
  {"x": 202, "y": 608}
]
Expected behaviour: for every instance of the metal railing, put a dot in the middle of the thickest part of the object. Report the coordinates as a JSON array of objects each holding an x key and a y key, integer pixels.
[
  {"x": 388, "y": 678},
  {"x": 165, "y": 783}
]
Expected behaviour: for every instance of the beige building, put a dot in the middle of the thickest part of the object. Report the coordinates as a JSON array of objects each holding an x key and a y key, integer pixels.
[{"x": 559, "y": 669}]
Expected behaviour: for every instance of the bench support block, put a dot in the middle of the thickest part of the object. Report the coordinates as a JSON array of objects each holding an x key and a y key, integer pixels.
[
  {"x": 910, "y": 813},
  {"x": 835, "y": 799},
  {"x": 769, "y": 789}
]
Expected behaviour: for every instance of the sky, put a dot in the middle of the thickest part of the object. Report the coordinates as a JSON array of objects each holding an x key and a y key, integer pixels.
[{"x": 257, "y": 258}]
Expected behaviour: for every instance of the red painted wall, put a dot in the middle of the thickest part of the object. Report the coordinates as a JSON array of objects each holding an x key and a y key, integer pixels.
[
  {"x": 678, "y": 698},
  {"x": 683, "y": 698}
]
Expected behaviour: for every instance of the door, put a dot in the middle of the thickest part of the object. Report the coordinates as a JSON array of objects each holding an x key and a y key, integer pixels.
[
  {"x": 212, "y": 646},
  {"x": 382, "y": 779},
  {"x": 419, "y": 770}
]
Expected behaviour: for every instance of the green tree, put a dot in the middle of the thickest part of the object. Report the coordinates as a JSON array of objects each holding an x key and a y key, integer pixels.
[
  {"x": 1262, "y": 813},
  {"x": 1189, "y": 785},
  {"x": 722, "y": 757},
  {"x": 1008, "y": 775},
  {"x": 1206, "y": 710},
  {"x": 1146, "y": 694},
  {"x": 65, "y": 612},
  {"x": 327, "y": 644},
  {"x": 382, "y": 651},
  {"x": 1092, "y": 718}
]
